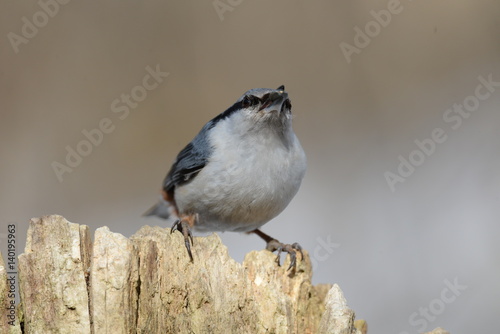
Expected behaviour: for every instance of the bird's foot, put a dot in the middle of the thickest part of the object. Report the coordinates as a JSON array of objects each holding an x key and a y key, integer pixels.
[
  {"x": 184, "y": 225},
  {"x": 275, "y": 245}
]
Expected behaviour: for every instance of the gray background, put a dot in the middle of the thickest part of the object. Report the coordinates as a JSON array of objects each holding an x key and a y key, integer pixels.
[{"x": 391, "y": 252}]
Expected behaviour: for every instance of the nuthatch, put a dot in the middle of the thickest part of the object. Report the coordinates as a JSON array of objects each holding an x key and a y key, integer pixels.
[{"x": 239, "y": 172}]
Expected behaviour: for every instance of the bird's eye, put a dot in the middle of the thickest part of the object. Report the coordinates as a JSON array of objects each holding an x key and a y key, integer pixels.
[
  {"x": 249, "y": 101},
  {"x": 287, "y": 105}
]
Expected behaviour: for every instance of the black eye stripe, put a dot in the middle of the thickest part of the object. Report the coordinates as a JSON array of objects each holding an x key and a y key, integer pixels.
[
  {"x": 287, "y": 105},
  {"x": 249, "y": 101}
]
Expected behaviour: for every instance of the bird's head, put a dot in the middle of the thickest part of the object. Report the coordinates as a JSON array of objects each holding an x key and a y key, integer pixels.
[{"x": 266, "y": 106}]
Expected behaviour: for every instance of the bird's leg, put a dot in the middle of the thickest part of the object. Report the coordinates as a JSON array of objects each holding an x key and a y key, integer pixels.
[
  {"x": 184, "y": 225},
  {"x": 274, "y": 245}
]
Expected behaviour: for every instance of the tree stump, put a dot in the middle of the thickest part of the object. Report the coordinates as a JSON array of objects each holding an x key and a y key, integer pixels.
[{"x": 147, "y": 284}]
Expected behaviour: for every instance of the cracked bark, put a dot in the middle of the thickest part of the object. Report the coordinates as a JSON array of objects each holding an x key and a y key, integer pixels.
[{"x": 146, "y": 284}]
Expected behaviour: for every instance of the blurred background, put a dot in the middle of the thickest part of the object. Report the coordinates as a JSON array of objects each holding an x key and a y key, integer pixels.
[{"x": 366, "y": 79}]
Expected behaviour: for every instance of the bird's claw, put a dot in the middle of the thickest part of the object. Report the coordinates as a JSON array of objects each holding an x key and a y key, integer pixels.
[
  {"x": 183, "y": 227},
  {"x": 292, "y": 249},
  {"x": 274, "y": 245}
]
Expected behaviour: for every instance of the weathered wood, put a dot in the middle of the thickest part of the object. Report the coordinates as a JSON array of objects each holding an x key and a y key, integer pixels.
[
  {"x": 114, "y": 281},
  {"x": 52, "y": 277},
  {"x": 338, "y": 317},
  {"x": 438, "y": 330},
  {"x": 146, "y": 284},
  {"x": 215, "y": 294}
]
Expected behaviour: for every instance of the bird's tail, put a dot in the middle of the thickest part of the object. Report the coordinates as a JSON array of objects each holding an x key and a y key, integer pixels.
[{"x": 160, "y": 209}]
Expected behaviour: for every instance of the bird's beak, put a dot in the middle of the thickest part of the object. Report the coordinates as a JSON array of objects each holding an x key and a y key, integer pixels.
[{"x": 273, "y": 101}]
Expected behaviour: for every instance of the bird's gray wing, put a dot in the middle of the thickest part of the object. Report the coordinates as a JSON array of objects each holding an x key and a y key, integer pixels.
[{"x": 189, "y": 162}]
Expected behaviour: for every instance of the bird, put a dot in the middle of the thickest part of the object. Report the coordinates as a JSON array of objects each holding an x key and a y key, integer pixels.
[{"x": 239, "y": 172}]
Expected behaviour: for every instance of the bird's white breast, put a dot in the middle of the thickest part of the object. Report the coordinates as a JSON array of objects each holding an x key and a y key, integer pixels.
[{"x": 249, "y": 179}]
